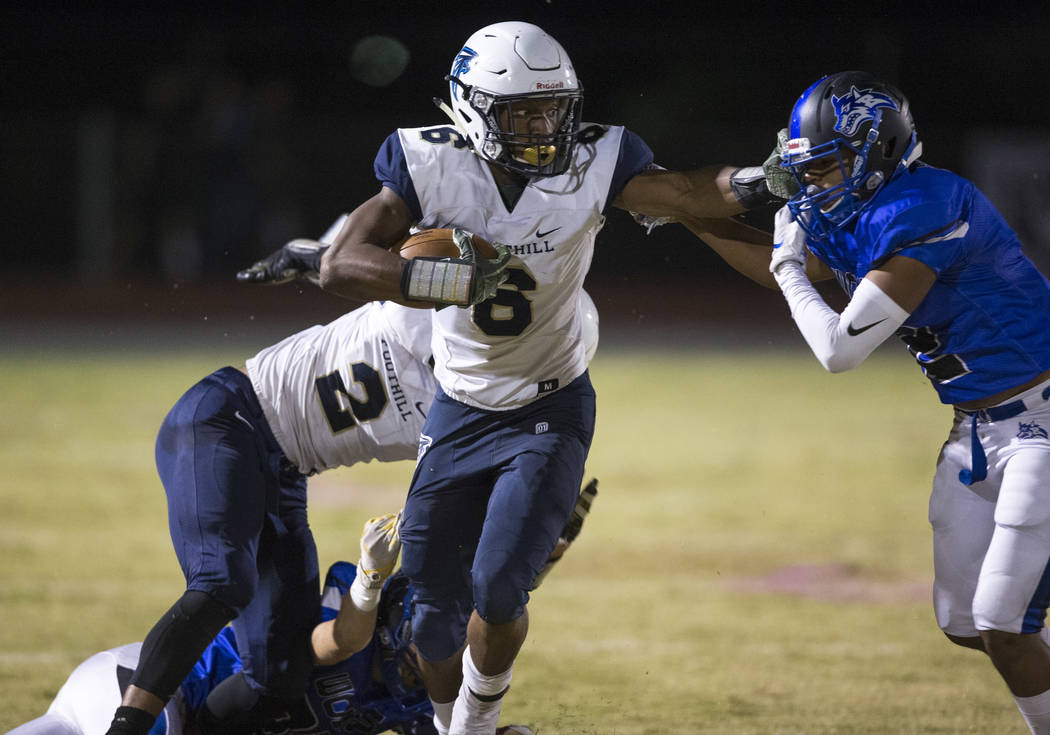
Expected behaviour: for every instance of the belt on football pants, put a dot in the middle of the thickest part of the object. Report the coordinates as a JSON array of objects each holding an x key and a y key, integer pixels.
[{"x": 979, "y": 464}]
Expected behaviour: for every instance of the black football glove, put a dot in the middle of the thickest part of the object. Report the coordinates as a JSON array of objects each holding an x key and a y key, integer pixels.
[
  {"x": 297, "y": 259},
  {"x": 770, "y": 183}
]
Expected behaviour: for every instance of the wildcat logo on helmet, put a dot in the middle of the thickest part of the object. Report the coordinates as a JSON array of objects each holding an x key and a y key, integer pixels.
[
  {"x": 461, "y": 64},
  {"x": 856, "y": 106}
]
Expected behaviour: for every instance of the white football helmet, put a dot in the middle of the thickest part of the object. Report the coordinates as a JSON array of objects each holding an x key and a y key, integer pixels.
[
  {"x": 589, "y": 315},
  {"x": 501, "y": 68}
]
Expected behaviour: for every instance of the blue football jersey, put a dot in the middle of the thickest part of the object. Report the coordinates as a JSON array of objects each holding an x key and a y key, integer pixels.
[
  {"x": 981, "y": 329},
  {"x": 374, "y": 691}
]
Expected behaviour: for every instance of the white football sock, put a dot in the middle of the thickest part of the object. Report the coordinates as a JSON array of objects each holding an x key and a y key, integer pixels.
[
  {"x": 442, "y": 716},
  {"x": 1036, "y": 712},
  {"x": 478, "y": 704}
]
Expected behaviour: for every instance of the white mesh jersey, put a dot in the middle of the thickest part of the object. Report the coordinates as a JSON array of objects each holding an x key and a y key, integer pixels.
[
  {"x": 86, "y": 702},
  {"x": 351, "y": 391},
  {"x": 526, "y": 341}
]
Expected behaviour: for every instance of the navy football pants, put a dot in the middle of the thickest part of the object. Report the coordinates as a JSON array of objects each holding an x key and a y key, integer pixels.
[
  {"x": 237, "y": 515},
  {"x": 489, "y": 498}
]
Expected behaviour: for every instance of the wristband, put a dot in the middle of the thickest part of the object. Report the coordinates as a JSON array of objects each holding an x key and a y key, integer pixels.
[
  {"x": 440, "y": 280},
  {"x": 750, "y": 189}
]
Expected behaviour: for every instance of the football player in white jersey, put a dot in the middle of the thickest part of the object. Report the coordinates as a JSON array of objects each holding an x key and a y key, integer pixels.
[
  {"x": 234, "y": 454},
  {"x": 504, "y": 445}
]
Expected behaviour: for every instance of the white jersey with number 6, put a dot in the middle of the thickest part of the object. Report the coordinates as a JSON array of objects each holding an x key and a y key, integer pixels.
[{"x": 526, "y": 341}]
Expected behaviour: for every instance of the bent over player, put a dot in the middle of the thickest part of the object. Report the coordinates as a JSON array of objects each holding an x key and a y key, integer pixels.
[
  {"x": 504, "y": 445},
  {"x": 924, "y": 255},
  {"x": 233, "y": 455}
]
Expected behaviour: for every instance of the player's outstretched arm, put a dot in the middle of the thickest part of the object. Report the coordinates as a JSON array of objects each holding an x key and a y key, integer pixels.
[
  {"x": 746, "y": 249},
  {"x": 571, "y": 530},
  {"x": 711, "y": 192},
  {"x": 704, "y": 192},
  {"x": 350, "y": 631}
]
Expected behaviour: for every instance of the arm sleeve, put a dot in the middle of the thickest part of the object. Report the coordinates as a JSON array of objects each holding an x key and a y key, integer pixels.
[
  {"x": 392, "y": 171},
  {"x": 635, "y": 156},
  {"x": 840, "y": 341}
]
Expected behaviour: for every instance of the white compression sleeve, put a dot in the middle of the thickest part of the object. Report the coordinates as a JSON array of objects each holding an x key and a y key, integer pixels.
[{"x": 840, "y": 341}]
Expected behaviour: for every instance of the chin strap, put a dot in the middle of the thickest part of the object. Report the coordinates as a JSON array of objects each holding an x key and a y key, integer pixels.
[
  {"x": 443, "y": 106},
  {"x": 912, "y": 154}
]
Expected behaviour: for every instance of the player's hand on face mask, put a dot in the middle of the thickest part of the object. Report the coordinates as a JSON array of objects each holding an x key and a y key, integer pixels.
[
  {"x": 789, "y": 241},
  {"x": 296, "y": 259},
  {"x": 779, "y": 180},
  {"x": 380, "y": 545},
  {"x": 489, "y": 274}
]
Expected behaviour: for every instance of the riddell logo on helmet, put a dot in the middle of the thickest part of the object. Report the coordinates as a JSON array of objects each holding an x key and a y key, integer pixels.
[{"x": 549, "y": 85}]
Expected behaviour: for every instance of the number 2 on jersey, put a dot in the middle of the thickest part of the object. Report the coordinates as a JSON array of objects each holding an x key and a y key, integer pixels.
[{"x": 342, "y": 410}]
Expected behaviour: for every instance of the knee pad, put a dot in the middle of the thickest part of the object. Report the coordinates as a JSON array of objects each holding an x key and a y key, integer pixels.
[
  {"x": 498, "y": 600},
  {"x": 437, "y": 633},
  {"x": 177, "y": 641},
  {"x": 229, "y": 707},
  {"x": 1015, "y": 569}
]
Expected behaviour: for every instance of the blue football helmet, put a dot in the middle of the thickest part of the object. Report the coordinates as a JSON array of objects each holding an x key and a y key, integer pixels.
[
  {"x": 397, "y": 658},
  {"x": 859, "y": 123}
]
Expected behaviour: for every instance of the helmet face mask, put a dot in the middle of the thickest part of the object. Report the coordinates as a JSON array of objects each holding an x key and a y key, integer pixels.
[
  {"x": 855, "y": 123},
  {"x": 515, "y": 95}
]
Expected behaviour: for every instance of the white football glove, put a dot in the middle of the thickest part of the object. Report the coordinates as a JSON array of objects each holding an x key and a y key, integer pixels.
[
  {"x": 789, "y": 241},
  {"x": 380, "y": 547},
  {"x": 380, "y": 544}
]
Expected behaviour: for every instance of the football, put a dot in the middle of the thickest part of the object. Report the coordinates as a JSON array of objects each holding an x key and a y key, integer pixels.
[{"x": 438, "y": 243}]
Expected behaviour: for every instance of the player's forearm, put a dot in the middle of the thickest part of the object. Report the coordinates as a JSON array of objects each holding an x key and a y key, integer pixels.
[
  {"x": 743, "y": 248},
  {"x": 362, "y": 272},
  {"x": 337, "y": 640},
  {"x": 704, "y": 192}
]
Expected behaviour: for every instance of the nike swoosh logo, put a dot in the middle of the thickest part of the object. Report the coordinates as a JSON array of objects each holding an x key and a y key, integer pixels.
[
  {"x": 419, "y": 407},
  {"x": 853, "y": 331},
  {"x": 238, "y": 415},
  {"x": 544, "y": 234}
]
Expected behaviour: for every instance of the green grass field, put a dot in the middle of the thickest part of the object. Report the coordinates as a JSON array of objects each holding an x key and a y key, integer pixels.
[{"x": 758, "y": 560}]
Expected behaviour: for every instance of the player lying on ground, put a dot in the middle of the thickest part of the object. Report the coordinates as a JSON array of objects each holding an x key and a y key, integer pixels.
[
  {"x": 365, "y": 678},
  {"x": 924, "y": 255}
]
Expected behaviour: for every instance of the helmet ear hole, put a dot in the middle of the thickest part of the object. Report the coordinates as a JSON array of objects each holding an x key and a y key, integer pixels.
[{"x": 889, "y": 147}]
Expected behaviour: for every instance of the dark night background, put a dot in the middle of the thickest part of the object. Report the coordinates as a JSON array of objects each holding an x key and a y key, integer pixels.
[{"x": 173, "y": 146}]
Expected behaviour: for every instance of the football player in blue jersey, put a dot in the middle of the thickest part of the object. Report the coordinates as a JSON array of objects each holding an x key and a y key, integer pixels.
[
  {"x": 924, "y": 255},
  {"x": 504, "y": 445}
]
